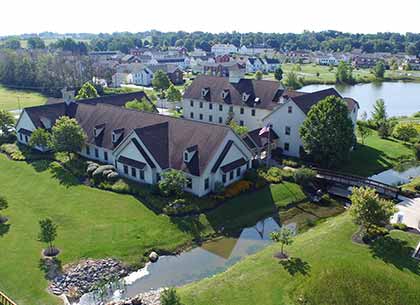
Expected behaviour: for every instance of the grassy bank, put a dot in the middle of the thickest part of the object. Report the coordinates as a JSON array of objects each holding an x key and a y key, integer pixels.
[
  {"x": 326, "y": 268},
  {"x": 11, "y": 99},
  {"x": 94, "y": 224}
]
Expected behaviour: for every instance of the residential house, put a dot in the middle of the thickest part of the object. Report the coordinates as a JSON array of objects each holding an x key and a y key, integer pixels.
[
  {"x": 254, "y": 64},
  {"x": 255, "y": 104},
  {"x": 223, "y": 49},
  {"x": 143, "y": 145},
  {"x": 181, "y": 62},
  {"x": 270, "y": 64},
  {"x": 327, "y": 60},
  {"x": 222, "y": 69}
]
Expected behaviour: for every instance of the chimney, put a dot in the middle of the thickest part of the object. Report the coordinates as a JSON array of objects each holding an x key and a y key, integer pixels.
[{"x": 68, "y": 96}]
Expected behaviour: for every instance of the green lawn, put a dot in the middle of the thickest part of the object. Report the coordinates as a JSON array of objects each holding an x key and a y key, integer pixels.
[
  {"x": 326, "y": 268},
  {"x": 96, "y": 224},
  {"x": 376, "y": 155},
  {"x": 11, "y": 99}
]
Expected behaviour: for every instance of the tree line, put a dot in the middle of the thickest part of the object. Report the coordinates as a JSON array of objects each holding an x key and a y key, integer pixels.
[{"x": 308, "y": 40}]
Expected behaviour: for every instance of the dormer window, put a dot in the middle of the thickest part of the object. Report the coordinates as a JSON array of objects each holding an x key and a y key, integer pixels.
[
  {"x": 46, "y": 122},
  {"x": 186, "y": 157},
  {"x": 257, "y": 100},
  {"x": 189, "y": 153},
  {"x": 205, "y": 91},
  {"x": 98, "y": 130},
  {"x": 225, "y": 94},
  {"x": 245, "y": 97},
  {"x": 116, "y": 135}
]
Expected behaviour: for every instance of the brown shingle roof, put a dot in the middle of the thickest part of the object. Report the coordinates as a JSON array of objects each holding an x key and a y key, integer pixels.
[
  {"x": 306, "y": 101},
  {"x": 264, "y": 89}
]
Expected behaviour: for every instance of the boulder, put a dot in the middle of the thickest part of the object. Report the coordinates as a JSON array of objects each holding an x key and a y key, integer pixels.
[
  {"x": 153, "y": 257},
  {"x": 101, "y": 169},
  {"x": 112, "y": 176}
]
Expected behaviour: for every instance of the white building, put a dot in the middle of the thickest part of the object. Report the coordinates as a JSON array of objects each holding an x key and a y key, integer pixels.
[
  {"x": 328, "y": 61},
  {"x": 223, "y": 49},
  {"x": 255, "y": 104},
  {"x": 143, "y": 145}
]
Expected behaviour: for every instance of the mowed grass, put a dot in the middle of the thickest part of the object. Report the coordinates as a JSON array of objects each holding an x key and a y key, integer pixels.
[
  {"x": 95, "y": 224},
  {"x": 11, "y": 99},
  {"x": 376, "y": 155},
  {"x": 326, "y": 268}
]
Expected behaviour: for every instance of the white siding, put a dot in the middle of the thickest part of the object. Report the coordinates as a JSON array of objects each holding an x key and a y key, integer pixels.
[{"x": 26, "y": 123}]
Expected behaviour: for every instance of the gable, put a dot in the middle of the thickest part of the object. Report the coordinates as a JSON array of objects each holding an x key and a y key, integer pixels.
[{"x": 25, "y": 122}]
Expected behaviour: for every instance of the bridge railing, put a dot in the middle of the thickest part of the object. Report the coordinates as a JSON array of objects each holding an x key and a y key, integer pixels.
[
  {"x": 5, "y": 300},
  {"x": 355, "y": 178}
]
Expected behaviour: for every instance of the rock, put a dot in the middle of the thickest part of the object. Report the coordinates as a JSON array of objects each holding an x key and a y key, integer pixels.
[
  {"x": 101, "y": 169},
  {"x": 153, "y": 257},
  {"x": 112, "y": 176}
]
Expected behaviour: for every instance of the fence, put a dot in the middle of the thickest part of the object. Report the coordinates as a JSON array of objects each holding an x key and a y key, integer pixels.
[{"x": 4, "y": 300}]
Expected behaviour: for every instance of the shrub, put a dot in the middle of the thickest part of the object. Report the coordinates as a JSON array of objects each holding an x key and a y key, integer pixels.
[
  {"x": 237, "y": 188},
  {"x": 374, "y": 232},
  {"x": 219, "y": 188},
  {"x": 417, "y": 149},
  {"x": 290, "y": 163},
  {"x": 251, "y": 175},
  {"x": 170, "y": 297},
  {"x": 274, "y": 175},
  {"x": 13, "y": 151},
  {"x": 326, "y": 199},
  {"x": 404, "y": 131},
  {"x": 304, "y": 175},
  {"x": 399, "y": 226},
  {"x": 172, "y": 182}
]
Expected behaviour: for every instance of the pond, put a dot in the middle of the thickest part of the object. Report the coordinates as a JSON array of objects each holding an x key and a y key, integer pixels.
[
  {"x": 210, "y": 258},
  {"x": 401, "y": 98}
]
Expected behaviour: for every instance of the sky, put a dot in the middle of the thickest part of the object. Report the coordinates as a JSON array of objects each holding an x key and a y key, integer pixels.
[{"x": 94, "y": 16}]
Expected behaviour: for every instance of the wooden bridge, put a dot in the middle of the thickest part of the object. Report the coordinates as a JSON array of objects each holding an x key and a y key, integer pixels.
[
  {"x": 353, "y": 180},
  {"x": 4, "y": 300}
]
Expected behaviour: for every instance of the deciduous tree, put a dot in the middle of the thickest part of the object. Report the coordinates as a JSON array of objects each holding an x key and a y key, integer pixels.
[
  {"x": 40, "y": 138},
  {"x": 284, "y": 237},
  {"x": 3, "y": 205},
  {"x": 48, "y": 233},
  {"x": 278, "y": 73},
  {"x": 141, "y": 105},
  {"x": 7, "y": 121},
  {"x": 379, "y": 70},
  {"x": 67, "y": 136},
  {"x": 344, "y": 73},
  {"x": 87, "y": 91},
  {"x": 363, "y": 131},
  {"x": 404, "y": 131},
  {"x": 173, "y": 94},
  {"x": 172, "y": 182},
  {"x": 161, "y": 81}
]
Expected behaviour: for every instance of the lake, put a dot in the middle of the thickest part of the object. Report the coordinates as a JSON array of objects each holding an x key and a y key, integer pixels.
[{"x": 401, "y": 98}]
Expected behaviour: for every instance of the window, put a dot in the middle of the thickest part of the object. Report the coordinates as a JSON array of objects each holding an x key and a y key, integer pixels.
[
  {"x": 192, "y": 103},
  {"x": 96, "y": 153},
  {"x": 192, "y": 115},
  {"x": 157, "y": 177},
  {"x": 189, "y": 183},
  {"x": 253, "y": 112},
  {"x": 241, "y": 123},
  {"x": 186, "y": 157},
  {"x": 231, "y": 109},
  {"x": 106, "y": 155},
  {"x": 231, "y": 175},
  {"x": 87, "y": 150},
  {"x": 201, "y": 104},
  {"x": 238, "y": 172},
  {"x": 287, "y": 130},
  {"x": 210, "y": 106},
  {"x": 210, "y": 118},
  {"x": 26, "y": 139},
  {"x": 220, "y": 120},
  {"x": 20, "y": 137},
  {"x": 206, "y": 183},
  {"x": 286, "y": 146},
  {"x": 224, "y": 178},
  {"x": 201, "y": 116},
  {"x": 133, "y": 172},
  {"x": 242, "y": 110},
  {"x": 247, "y": 165},
  {"x": 220, "y": 107},
  {"x": 289, "y": 109},
  {"x": 126, "y": 169},
  {"x": 142, "y": 174}
]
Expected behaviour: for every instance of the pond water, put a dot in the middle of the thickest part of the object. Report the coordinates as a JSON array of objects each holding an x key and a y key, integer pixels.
[
  {"x": 209, "y": 259},
  {"x": 401, "y": 98},
  {"x": 393, "y": 177}
]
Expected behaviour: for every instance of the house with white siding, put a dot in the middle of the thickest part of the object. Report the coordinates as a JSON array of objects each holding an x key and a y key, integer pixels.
[
  {"x": 255, "y": 104},
  {"x": 142, "y": 145},
  {"x": 223, "y": 49}
]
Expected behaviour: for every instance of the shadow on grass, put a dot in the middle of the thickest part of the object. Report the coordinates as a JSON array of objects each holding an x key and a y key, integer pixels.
[
  {"x": 41, "y": 165},
  {"x": 191, "y": 225},
  {"x": 396, "y": 252},
  {"x": 51, "y": 267},
  {"x": 63, "y": 176},
  {"x": 295, "y": 265},
  {"x": 4, "y": 228}
]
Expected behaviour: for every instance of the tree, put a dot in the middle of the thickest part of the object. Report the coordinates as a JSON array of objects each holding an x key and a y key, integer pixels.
[
  {"x": 404, "y": 131},
  {"x": 380, "y": 118},
  {"x": 48, "y": 233},
  {"x": 258, "y": 75},
  {"x": 40, "y": 138},
  {"x": 67, "y": 136},
  {"x": 3, "y": 205},
  {"x": 363, "y": 130},
  {"x": 238, "y": 129},
  {"x": 12, "y": 43},
  {"x": 170, "y": 297},
  {"x": 368, "y": 209},
  {"x": 87, "y": 91},
  {"x": 344, "y": 74},
  {"x": 36, "y": 43},
  {"x": 304, "y": 176},
  {"x": 161, "y": 81},
  {"x": 292, "y": 81},
  {"x": 7, "y": 121},
  {"x": 141, "y": 105},
  {"x": 172, "y": 182},
  {"x": 173, "y": 94},
  {"x": 278, "y": 73},
  {"x": 284, "y": 237},
  {"x": 179, "y": 43},
  {"x": 189, "y": 45},
  {"x": 327, "y": 132},
  {"x": 379, "y": 70}
]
